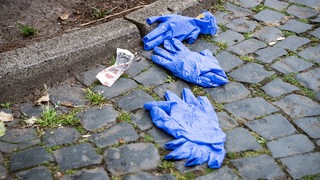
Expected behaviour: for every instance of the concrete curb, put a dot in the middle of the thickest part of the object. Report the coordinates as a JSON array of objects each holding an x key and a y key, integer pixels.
[{"x": 27, "y": 69}]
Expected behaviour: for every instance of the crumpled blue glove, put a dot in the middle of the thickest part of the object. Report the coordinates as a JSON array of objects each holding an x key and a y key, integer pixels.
[
  {"x": 194, "y": 123},
  {"x": 198, "y": 68},
  {"x": 180, "y": 27},
  {"x": 196, "y": 154}
]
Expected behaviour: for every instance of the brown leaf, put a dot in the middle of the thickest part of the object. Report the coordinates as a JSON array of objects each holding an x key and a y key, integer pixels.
[
  {"x": 5, "y": 117},
  {"x": 67, "y": 104},
  {"x": 64, "y": 16},
  {"x": 121, "y": 140},
  {"x": 43, "y": 99}
]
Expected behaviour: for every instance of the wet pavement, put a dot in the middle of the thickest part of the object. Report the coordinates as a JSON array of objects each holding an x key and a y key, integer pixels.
[{"x": 270, "y": 110}]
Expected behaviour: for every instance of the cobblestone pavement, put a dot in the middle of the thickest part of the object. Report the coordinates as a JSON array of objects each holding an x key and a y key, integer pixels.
[{"x": 270, "y": 110}]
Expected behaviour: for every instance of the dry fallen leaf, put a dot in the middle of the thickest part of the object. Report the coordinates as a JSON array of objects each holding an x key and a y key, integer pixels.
[
  {"x": 67, "y": 104},
  {"x": 2, "y": 129},
  {"x": 121, "y": 140},
  {"x": 64, "y": 16},
  {"x": 31, "y": 120},
  {"x": 5, "y": 117},
  {"x": 43, "y": 99}
]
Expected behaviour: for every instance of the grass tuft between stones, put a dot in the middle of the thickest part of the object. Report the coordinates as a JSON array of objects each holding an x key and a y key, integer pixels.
[{"x": 95, "y": 98}]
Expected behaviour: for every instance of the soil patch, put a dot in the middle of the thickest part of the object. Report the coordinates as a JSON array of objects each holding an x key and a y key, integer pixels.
[{"x": 54, "y": 17}]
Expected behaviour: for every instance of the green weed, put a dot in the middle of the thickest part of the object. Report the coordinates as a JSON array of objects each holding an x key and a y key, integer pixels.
[
  {"x": 247, "y": 35},
  {"x": 27, "y": 30},
  {"x": 97, "y": 13},
  {"x": 6, "y": 105},
  {"x": 170, "y": 79},
  {"x": 287, "y": 33},
  {"x": 124, "y": 117},
  {"x": 222, "y": 27},
  {"x": 258, "y": 8},
  {"x": 148, "y": 138},
  {"x": 95, "y": 98},
  {"x": 221, "y": 45}
]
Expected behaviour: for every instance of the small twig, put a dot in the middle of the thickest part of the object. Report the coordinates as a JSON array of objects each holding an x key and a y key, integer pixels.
[{"x": 116, "y": 14}]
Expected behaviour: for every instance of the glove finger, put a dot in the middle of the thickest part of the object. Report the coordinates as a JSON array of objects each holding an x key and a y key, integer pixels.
[
  {"x": 170, "y": 96},
  {"x": 166, "y": 63},
  {"x": 199, "y": 155},
  {"x": 189, "y": 98},
  {"x": 175, "y": 143},
  {"x": 169, "y": 47},
  {"x": 155, "y": 33},
  {"x": 164, "y": 105},
  {"x": 163, "y": 53},
  {"x": 206, "y": 104},
  {"x": 208, "y": 53},
  {"x": 162, "y": 18},
  {"x": 193, "y": 36},
  {"x": 178, "y": 45}
]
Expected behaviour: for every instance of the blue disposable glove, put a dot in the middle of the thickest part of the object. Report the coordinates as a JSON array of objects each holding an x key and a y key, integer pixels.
[
  {"x": 196, "y": 154},
  {"x": 190, "y": 118},
  {"x": 180, "y": 27},
  {"x": 198, "y": 68}
]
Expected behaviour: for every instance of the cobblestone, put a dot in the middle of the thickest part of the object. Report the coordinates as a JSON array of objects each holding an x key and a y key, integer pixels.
[
  {"x": 242, "y": 25},
  {"x": 60, "y": 136},
  {"x": 240, "y": 139},
  {"x": 160, "y": 136},
  {"x": 226, "y": 122},
  {"x": 248, "y": 3},
  {"x": 295, "y": 26},
  {"x": 229, "y": 92},
  {"x": 152, "y": 77},
  {"x": 68, "y": 94},
  {"x": 220, "y": 174},
  {"x": 148, "y": 176},
  {"x": 269, "y": 16},
  {"x": 316, "y": 32},
  {"x": 267, "y": 55},
  {"x": 76, "y": 156},
  {"x": 311, "y": 53},
  {"x": 309, "y": 125},
  {"x": 230, "y": 37},
  {"x": 3, "y": 170},
  {"x": 247, "y": 46},
  {"x": 134, "y": 100},
  {"x": 310, "y": 3},
  {"x": 278, "y": 88},
  {"x": 228, "y": 61},
  {"x": 201, "y": 45},
  {"x": 137, "y": 67},
  {"x": 291, "y": 145},
  {"x": 272, "y": 127},
  {"x": 116, "y": 134},
  {"x": 35, "y": 173},
  {"x": 301, "y": 12},
  {"x": 268, "y": 34},
  {"x": 291, "y": 64},
  {"x": 250, "y": 73},
  {"x": 142, "y": 119},
  {"x": 292, "y": 42},
  {"x": 275, "y": 4},
  {"x": 302, "y": 165},
  {"x": 85, "y": 174},
  {"x": 238, "y": 11},
  {"x": 310, "y": 79},
  {"x": 89, "y": 77},
  {"x": 260, "y": 167},
  {"x": 132, "y": 158},
  {"x": 176, "y": 87}
]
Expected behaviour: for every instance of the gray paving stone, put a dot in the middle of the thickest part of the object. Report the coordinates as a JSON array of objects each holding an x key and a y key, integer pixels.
[
  {"x": 302, "y": 165},
  {"x": 228, "y": 93},
  {"x": 291, "y": 145},
  {"x": 134, "y": 100},
  {"x": 237, "y": 10},
  {"x": 137, "y": 67},
  {"x": 309, "y": 125},
  {"x": 268, "y": 34},
  {"x": 28, "y": 158},
  {"x": 89, "y": 77},
  {"x": 31, "y": 110},
  {"x": 147, "y": 54},
  {"x": 316, "y": 32},
  {"x": 223, "y": 18},
  {"x": 250, "y": 73},
  {"x": 295, "y": 26},
  {"x": 315, "y": 19},
  {"x": 277, "y": 88},
  {"x": 275, "y": 4},
  {"x": 230, "y": 37},
  {"x": 272, "y": 127},
  {"x": 16, "y": 139},
  {"x": 248, "y": 3},
  {"x": 250, "y": 108},
  {"x": 242, "y": 25},
  {"x": 122, "y": 85},
  {"x": 267, "y": 55},
  {"x": 152, "y": 77},
  {"x": 311, "y": 53},
  {"x": 228, "y": 61},
  {"x": 96, "y": 117},
  {"x": 310, "y": 79},
  {"x": 201, "y": 45},
  {"x": 142, "y": 119},
  {"x": 269, "y": 16},
  {"x": 160, "y": 136},
  {"x": 132, "y": 158},
  {"x": 291, "y": 64},
  {"x": 220, "y": 174},
  {"x": 64, "y": 135},
  {"x": 259, "y": 167},
  {"x": 148, "y": 176},
  {"x": 310, "y": 3},
  {"x": 247, "y": 46},
  {"x": 301, "y": 12},
  {"x": 119, "y": 132},
  {"x": 226, "y": 122},
  {"x": 35, "y": 173},
  {"x": 176, "y": 87},
  {"x": 298, "y": 106},
  {"x": 180, "y": 166},
  {"x": 292, "y": 42},
  {"x": 3, "y": 170},
  {"x": 86, "y": 174},
  {"x": 240, "y": 139},
  {"x": 318, "y": 142},
  {"x": 68, "y": 94},
  {"x": 76, "y": 156}
]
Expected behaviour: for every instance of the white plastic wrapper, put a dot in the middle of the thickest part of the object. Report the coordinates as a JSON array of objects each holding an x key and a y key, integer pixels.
[{"x": 110, "y": 75}]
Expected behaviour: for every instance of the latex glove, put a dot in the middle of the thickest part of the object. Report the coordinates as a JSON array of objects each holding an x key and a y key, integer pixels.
[
  {"x": 190, "y": 118},
  {"x": 196, "y": 154},
  {"x": 180, "y": 27},
  {"x": 198, "y": 68}
]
